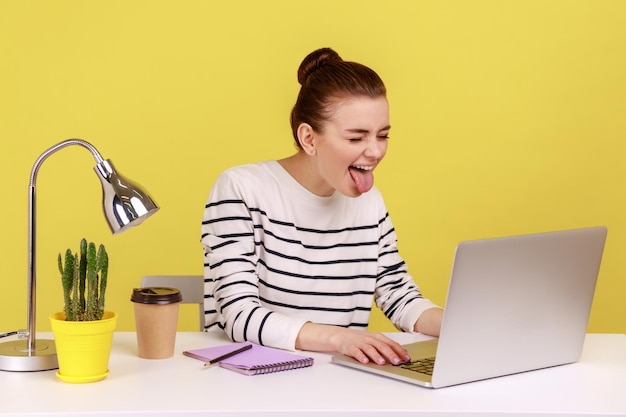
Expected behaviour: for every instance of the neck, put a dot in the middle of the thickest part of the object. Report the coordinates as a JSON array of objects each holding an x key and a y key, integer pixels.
[{"x": 303, "y": 169}]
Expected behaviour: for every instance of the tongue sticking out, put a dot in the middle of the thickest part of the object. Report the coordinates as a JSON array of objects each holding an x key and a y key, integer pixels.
[{"x": 364, "y": 180}]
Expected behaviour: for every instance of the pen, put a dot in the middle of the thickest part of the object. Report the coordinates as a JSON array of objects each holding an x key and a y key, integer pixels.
[{"x": 227, "y": 355}]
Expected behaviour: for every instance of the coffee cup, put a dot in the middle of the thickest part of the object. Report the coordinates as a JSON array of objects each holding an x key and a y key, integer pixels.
[{"x": 156, "y": 319}]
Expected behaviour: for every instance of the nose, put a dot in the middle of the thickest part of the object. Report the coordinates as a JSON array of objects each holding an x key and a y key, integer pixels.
[{"x": 375, "y": 148}]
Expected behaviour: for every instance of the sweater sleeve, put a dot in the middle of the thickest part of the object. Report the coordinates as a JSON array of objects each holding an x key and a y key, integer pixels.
[
  {"x": 396, "y": 294},
  {"x": 230, "y": 265}
]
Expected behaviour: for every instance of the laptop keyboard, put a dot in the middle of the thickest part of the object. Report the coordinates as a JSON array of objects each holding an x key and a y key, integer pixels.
[{"x": 423, "y": 366}]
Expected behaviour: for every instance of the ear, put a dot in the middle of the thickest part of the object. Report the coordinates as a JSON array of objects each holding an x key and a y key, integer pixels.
[{"x": 306, "y": 138}]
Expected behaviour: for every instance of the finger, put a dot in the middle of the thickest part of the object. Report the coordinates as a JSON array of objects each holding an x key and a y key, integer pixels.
[
  {"x": 402, "y": 353},
  {"x": 374, "y": 354},
  {"x": 391, "y": 356},
  {"x": 360, "y": 356},
  {"x": 392, "y": 351}
]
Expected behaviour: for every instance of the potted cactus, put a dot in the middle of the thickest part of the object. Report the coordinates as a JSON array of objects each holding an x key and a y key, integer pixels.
[{"x": 84, "y": 281}]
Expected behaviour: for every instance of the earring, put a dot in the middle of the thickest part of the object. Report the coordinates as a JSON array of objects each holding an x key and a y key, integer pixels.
[{"x": 312, "y": 151}]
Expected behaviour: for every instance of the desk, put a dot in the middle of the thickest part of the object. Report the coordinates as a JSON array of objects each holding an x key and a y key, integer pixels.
[{"x": 180, "y": 386}]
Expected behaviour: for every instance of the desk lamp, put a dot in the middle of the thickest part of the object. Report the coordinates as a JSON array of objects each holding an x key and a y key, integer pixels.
[{"x": 125, "y": 205}]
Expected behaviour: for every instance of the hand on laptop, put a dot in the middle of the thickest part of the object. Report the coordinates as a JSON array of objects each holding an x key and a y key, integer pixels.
[{"x": 361, "y": 345}]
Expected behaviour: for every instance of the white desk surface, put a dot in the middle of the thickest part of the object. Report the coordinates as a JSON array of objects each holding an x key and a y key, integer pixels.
[{"x": 180, "y": 386}]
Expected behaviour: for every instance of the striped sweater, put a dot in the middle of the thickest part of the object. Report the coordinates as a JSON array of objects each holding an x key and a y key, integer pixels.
[{"x": 277, "y": 256}]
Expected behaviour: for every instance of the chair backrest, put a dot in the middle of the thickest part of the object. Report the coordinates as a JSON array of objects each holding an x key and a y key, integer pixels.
[{"x": 191, "y": 288}]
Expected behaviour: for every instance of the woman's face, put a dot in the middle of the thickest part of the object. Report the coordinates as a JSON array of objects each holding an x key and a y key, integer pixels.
[{"x": 350, "y": 146}]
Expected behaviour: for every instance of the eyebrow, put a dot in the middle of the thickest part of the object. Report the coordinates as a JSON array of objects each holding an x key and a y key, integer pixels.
[{"x": 357, "y": 130}]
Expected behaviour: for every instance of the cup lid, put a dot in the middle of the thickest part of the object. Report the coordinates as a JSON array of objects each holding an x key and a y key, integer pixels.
[{"x": 156, "y": 295}]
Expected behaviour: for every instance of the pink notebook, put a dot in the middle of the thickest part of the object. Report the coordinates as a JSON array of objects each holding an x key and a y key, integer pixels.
[{"x": 257, "y": 360}]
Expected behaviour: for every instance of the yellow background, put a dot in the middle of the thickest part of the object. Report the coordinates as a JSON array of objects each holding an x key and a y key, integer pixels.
[{"x": 508, "y": 117}]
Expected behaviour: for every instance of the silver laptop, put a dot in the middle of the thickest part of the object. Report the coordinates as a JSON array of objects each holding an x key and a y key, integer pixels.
[{"x": 514, "y": 304}]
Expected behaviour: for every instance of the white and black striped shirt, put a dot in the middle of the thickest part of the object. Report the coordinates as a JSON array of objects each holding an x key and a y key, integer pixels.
[{"x": 277, "y": 256}]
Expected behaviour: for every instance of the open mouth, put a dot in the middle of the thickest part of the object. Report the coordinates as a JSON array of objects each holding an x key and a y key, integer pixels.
[
  {"x": 362, "y": 167},
  {"x": 363, "y": 177}
]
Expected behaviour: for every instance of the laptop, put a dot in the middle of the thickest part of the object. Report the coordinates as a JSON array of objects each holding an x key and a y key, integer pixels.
[{"x": 514, "y": 304}]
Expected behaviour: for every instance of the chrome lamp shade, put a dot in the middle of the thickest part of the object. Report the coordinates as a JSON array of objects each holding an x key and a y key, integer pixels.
[{"x": 125, "y": 205}]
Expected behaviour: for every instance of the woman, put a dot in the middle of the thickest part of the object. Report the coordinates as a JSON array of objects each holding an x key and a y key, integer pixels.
[{"x": 296, "y": 249}]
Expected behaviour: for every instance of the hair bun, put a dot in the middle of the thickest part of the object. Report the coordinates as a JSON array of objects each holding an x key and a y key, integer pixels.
[{"x": 314, "y": 61}]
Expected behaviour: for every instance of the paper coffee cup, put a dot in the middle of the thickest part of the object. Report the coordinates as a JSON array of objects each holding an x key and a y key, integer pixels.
[{"x": 156, "y": 319}]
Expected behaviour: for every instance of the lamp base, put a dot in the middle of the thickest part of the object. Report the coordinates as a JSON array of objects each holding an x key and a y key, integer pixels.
[{"x": 14, "y": 356}]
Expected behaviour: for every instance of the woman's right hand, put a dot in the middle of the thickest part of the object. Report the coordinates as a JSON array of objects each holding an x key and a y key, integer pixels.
[{"x": 363, "y": 346}]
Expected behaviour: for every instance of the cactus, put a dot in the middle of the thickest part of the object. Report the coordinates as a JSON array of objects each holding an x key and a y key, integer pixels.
[
  {"x": 67, "y": 279},
  {"x": 84, "y": 280},
  {"x": 102, "y": 265}
]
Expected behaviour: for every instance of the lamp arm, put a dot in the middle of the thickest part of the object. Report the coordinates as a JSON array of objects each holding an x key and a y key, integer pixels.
[
  {"x": 58, "y": 146},
  {"x": 32, "y": 230}
]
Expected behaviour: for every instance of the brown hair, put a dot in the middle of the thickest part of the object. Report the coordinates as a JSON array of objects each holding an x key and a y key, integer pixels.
[{"x": 325, "y": 77}]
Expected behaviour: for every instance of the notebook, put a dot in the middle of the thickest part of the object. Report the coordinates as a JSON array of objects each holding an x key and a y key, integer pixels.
[
  {"x": 514, "y": 304},
  {"x": 257, "y": 360}
]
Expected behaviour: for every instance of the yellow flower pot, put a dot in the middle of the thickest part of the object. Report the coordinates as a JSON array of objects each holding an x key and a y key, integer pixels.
[{"x": 83, "y": 347}]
